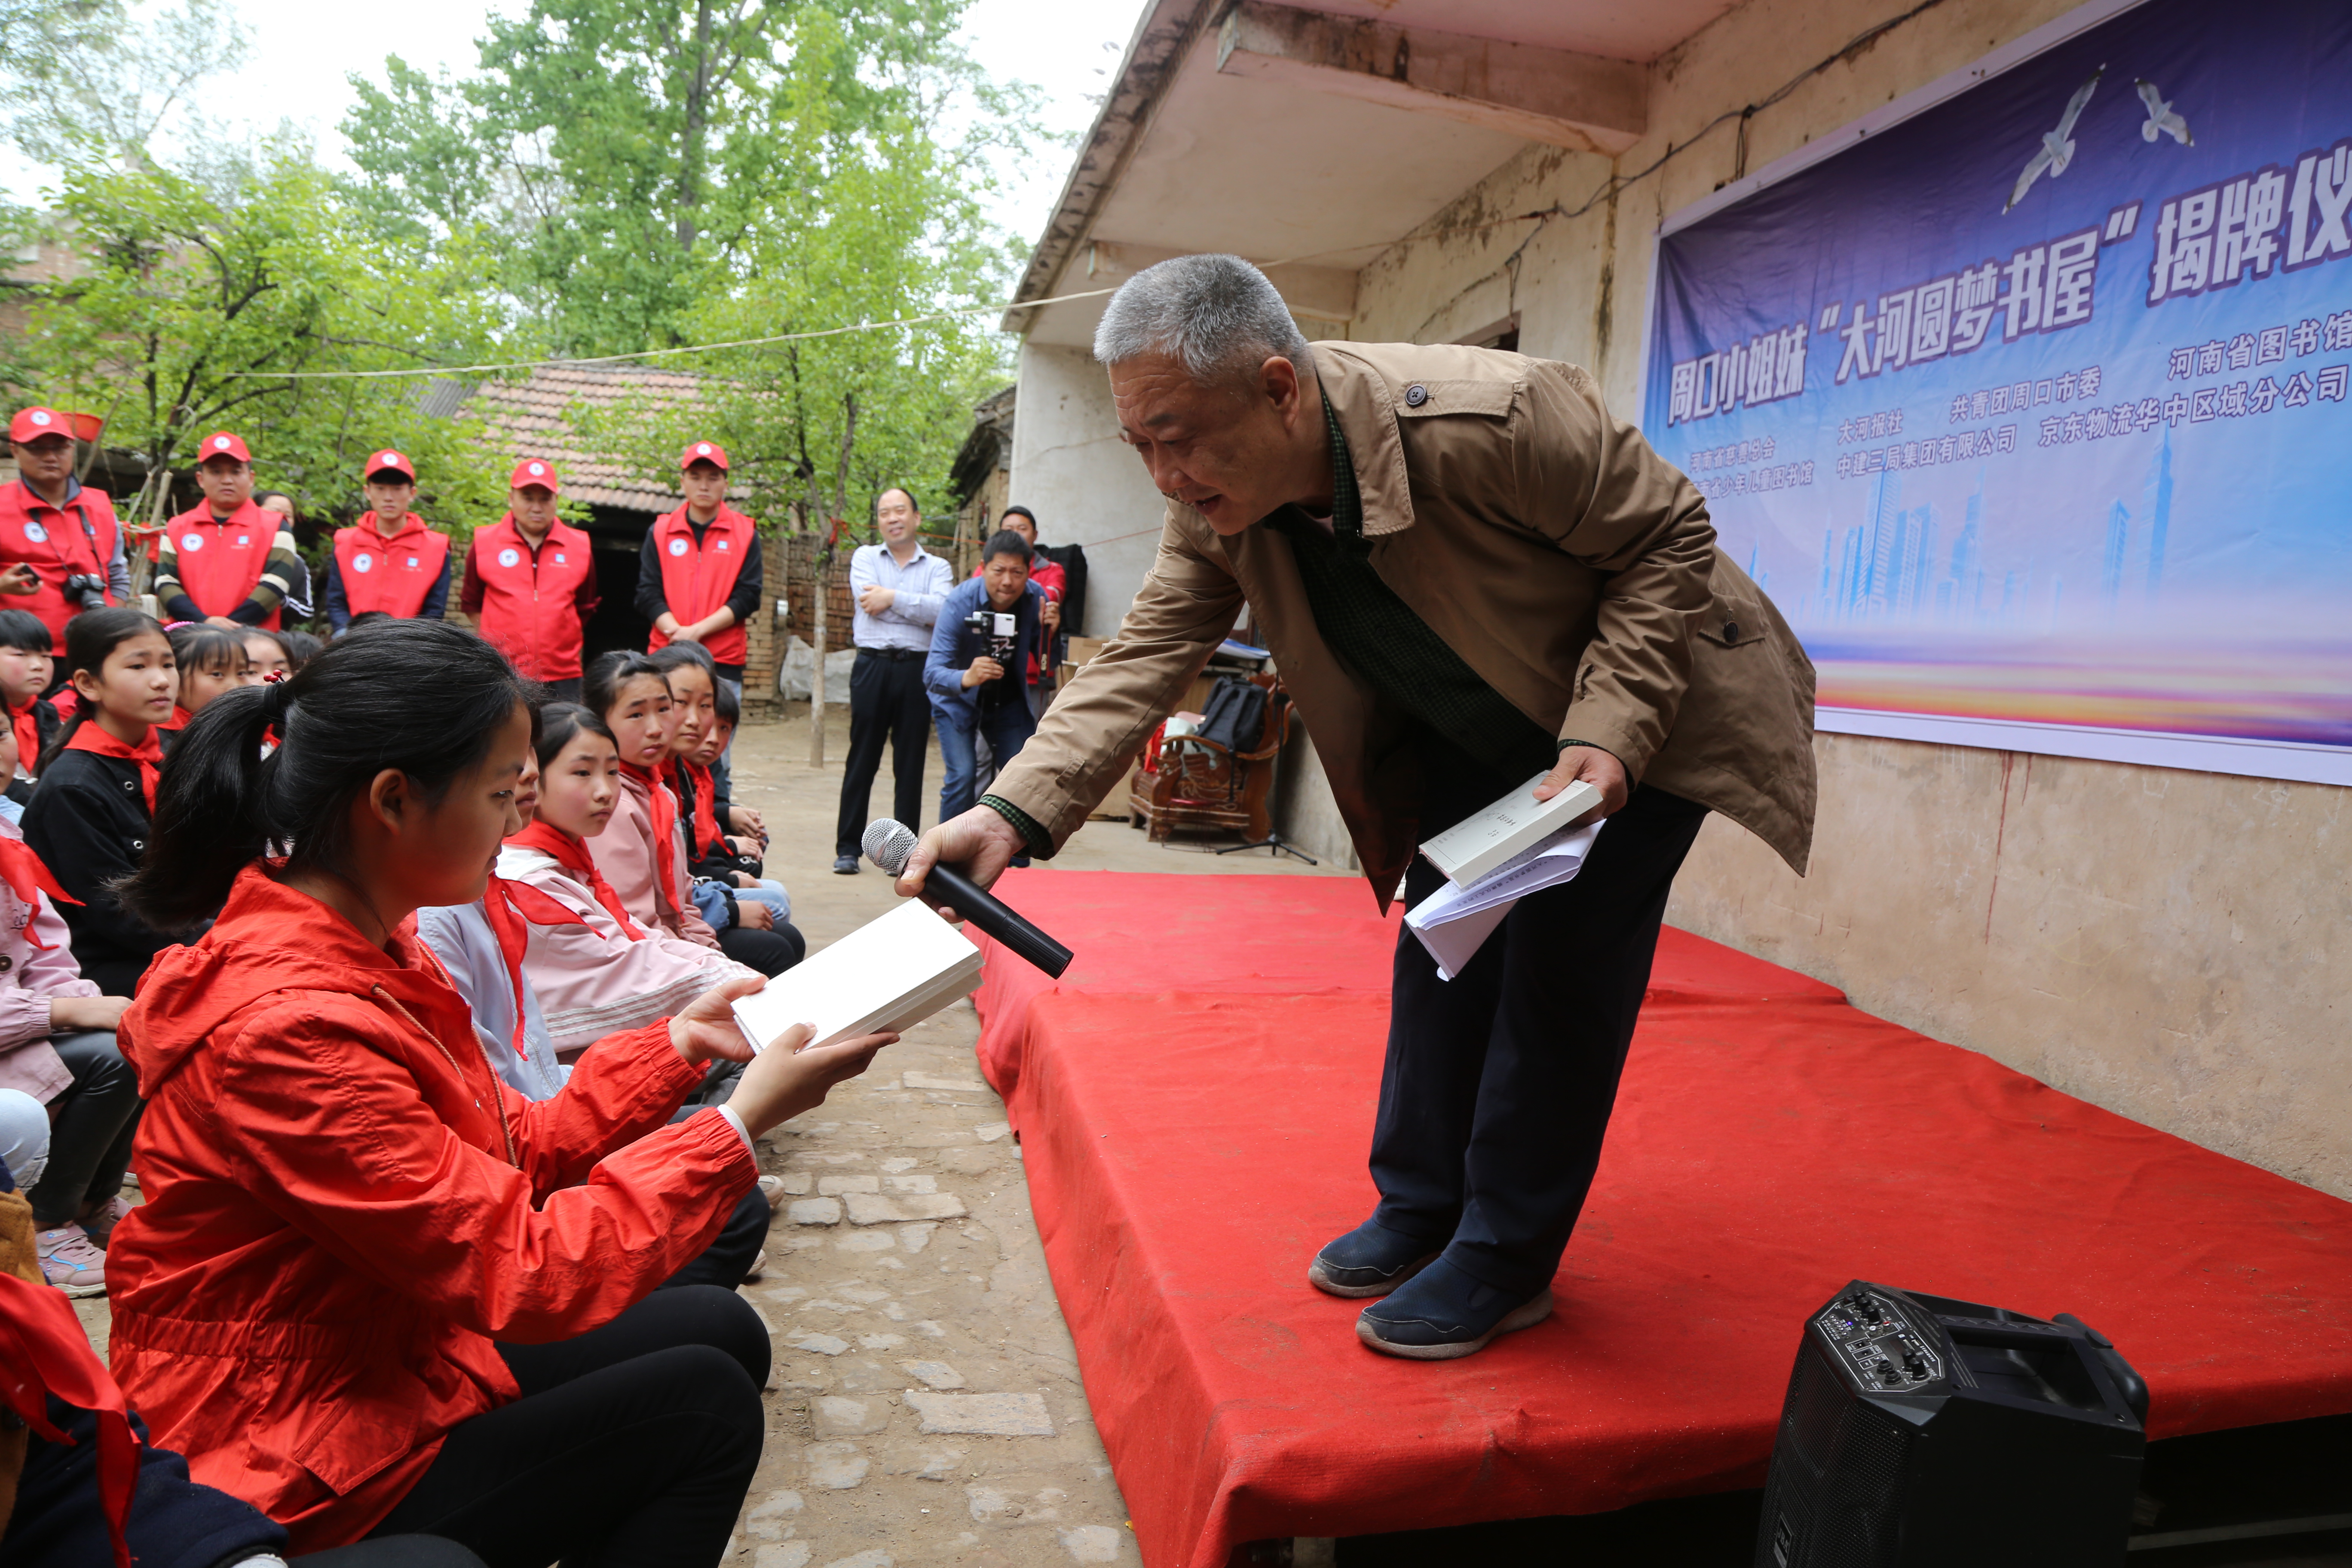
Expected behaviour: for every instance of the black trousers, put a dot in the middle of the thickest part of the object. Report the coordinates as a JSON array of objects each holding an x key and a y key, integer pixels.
[
  {"x": 1500, "y": 1081},
  {"x": 729, "y": 1256},
  {"x": 564, "y": 691},
  {"x": 771, "y": 952},
  {"x": 886, "y": 705},
  {"x": 89, "y": 1143},
  {"x": 632, "y": 1446}
]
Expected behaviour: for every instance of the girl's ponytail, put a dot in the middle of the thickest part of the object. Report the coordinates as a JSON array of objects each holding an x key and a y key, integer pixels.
[
  {"x": 211, "y": 810},
  {"x": 58, "y": 741}
]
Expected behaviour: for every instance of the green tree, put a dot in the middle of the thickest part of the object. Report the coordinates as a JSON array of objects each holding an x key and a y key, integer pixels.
[
  {"x": 625, "y": 159},
  {"x": 205, "y": 302},
  {"x": 88, "y": 79},
  {"x": 870, "y": 214}
]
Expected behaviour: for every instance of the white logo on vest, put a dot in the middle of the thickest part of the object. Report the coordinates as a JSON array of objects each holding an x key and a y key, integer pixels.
[
  {"x": 677, "y": 547},
  {"x": 191, "y": 543},
  {"x": 508, "y": 556},
  {"x": 35, "y": 533},
  {"x": 362, "y": 563}
]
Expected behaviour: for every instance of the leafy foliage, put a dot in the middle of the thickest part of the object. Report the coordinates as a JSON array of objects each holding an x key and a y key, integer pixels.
[{"x": 201, "y": 305}]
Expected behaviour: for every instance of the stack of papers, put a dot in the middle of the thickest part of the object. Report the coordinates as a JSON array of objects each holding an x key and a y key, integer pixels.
[
  {"x": 1516, "y": 846},
  {"x": 889, "y": 973}
]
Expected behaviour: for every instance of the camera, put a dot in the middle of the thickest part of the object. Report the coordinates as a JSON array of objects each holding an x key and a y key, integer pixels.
[
  {"x": 996, "y": 633},
  {"x": 85, "y": 589}
]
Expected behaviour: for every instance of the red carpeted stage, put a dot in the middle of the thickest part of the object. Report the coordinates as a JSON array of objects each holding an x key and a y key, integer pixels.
[{"x": 1195, "y": 1098}]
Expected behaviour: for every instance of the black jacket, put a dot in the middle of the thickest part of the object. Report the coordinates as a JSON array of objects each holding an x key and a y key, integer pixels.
[
  {"x": 88, "y": 824},
  {"x": 175, "y": 1522}
]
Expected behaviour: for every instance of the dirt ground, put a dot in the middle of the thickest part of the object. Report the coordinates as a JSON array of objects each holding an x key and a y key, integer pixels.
[{"x": 926, "y": 1405}]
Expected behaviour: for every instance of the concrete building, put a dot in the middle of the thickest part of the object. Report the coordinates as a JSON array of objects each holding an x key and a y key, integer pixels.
[{"x": 2171, "y": 945}]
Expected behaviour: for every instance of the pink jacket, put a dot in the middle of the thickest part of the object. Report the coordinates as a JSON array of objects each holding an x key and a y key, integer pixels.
[
  {"x": 29, "y": 976},
  {"x": 591, "y": 980},
  {"x": 624, "y": 853}
]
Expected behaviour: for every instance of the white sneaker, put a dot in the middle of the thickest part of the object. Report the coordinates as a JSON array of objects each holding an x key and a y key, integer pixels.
[
  {"x": 773, "y": 1189},
  {"x": 69, "y": 1262},
  {"x": 759, "y": 1266}
]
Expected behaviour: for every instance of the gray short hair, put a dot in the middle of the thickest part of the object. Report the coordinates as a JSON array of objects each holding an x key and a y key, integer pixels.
[{"x": 1217, "y": 315}]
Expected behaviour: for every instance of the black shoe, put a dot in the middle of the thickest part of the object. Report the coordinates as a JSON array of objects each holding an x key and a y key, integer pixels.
[
  {"x": 844, "y": 864},
  {"x": 1444, "y": 1315},
  {"x": 1369, "y": 1260}
]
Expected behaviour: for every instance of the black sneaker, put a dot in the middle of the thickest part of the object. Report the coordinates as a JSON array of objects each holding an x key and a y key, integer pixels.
[
  {"x": 1444, "y": 1315},
  {"x": 844, "y": 864},
  {"x": 1369, "y": 1260}
]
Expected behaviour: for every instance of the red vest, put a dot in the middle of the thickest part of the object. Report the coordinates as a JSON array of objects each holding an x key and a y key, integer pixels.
[
  {"x": 220, "y": 564},
  {"x": 529, "y": 609},
  {"x": 698, "y": 579},
  {"x": 389, "y": 574},
  {"x": 56, "y": 545}
]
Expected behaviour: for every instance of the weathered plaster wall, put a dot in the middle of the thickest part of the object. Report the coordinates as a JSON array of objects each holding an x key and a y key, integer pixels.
[
  {"x": 2175, "y": 946},
  {"x": 1070, "y": 467}
]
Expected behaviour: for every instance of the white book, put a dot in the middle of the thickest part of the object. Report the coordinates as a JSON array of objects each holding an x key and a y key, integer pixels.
[
  {"x": 889, "y": 973},
  {"x": 1483, "y": 842}
]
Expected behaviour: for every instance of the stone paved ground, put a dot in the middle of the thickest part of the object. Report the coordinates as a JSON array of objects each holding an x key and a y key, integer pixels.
[{"x": 927, "y": 1406}]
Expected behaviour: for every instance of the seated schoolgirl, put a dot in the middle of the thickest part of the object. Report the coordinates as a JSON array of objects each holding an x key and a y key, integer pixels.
[
  {"x": 372, "y": 1289},
  {"x": 642, "y": 851},
  {"x": 727, "y": 886},
  {"x": 490, "y": 950},
  {"x": 92, "y": 815},
  {"x": 748, "y": 877},
  {"x": 211, "y": 660},
  {"x": 26, "y": 668},
  {"x": 57, "y": 1046},
  {"x": 265, "y": 654}
]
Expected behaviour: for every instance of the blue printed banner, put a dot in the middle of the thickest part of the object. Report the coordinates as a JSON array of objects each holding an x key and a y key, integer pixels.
[{"x": 2032, "y": 411}]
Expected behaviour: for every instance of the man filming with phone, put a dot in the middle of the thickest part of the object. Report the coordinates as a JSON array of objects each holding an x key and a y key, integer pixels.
[
  {"x": 975, "y": 672},
  {"x": 1471, "y": 575}
]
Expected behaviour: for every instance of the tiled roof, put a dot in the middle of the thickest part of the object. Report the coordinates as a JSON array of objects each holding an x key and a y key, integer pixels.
[{"x": 527, "y": 419}]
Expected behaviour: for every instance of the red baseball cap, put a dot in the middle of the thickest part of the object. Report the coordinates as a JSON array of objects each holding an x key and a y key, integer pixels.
[
  {"x": 222, "y": 443},
  {"x": 703, "y": 452},
  {"x": 34, "y": 423},
  {"x": 534, "y": 471},
  {"x": 379, "y": 462}
]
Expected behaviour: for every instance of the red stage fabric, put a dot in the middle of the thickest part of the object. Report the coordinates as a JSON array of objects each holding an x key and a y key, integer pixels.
[
  {"x": 1187, "y": 1151},
  {"x": 1242, "y": 936}
]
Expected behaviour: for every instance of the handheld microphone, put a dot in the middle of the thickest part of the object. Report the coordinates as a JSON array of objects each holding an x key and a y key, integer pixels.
[{"x": 887, "y": 844}]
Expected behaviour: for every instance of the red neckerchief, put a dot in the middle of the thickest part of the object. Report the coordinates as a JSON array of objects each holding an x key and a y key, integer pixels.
[
  {"x": 662, "y": 807},
  {"x": 28, "y": 734},
  {"x": 696, "y": 784},
  {"x": 512, "y": 908},
  {"x": 572, "y": 854},
  {"x": 23, "y": 875},
  {"x": 92, "y": 736},
  {"x": 43, "y": 1351}
]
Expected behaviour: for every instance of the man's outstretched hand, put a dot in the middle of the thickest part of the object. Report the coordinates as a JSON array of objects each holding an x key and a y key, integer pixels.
[
  {"x": 1595, "y": 768},
  {"x": 979, "y": 844}
]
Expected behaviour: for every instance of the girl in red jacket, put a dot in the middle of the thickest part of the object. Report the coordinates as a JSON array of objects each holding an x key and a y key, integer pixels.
[{"x": 372, "y": 1289}]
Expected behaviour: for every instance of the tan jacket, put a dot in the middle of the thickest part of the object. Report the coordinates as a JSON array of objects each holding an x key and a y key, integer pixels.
[{"x": 1571, "y": 566}]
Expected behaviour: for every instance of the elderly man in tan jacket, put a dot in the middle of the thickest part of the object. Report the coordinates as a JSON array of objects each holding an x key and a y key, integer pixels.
[{"x": 1469, "y": 572}]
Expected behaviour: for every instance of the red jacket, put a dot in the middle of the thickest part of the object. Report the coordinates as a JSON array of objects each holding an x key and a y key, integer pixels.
[
  {"x": 334, "y": 1232},
  {"x": 698, "y": 577},
  {"x": 56, "y": 545},
  {"x": 531, "y": 605}
]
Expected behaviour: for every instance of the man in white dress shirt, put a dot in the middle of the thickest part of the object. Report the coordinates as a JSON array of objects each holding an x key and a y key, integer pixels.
[{"x": 898, "y": 589}]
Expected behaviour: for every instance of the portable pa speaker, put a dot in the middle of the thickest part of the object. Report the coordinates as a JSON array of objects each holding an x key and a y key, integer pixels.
[{"x": 1926, "y": 1433}]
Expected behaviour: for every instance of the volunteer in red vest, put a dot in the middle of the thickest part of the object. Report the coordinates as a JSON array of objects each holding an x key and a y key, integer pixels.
[
  {"x": 227, "y": 559},
  {"x": 61, "y": 547},
  {"x": 698, "y": 575},
  {"x": 530, "y": 583},
  {"x": 388, "y": 561}
]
